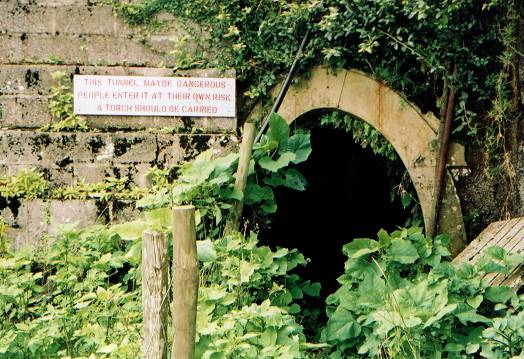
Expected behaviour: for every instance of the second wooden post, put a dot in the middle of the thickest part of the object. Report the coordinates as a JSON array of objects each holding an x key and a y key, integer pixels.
[{"x": 185, "y": 282}]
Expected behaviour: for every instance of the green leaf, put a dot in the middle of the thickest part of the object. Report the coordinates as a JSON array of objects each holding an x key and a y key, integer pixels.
[
  {"x": 269, "y": 208},
  {"x": 360, "y": 247},
  {"x": 134, "y": 254},
  {"x": 475, "y": 301},
  {"x": 255, "y": 194},
  {"x": 313, "y": 289},
  {"x": 299, "y": 144},
  {"x": 206, "y": 251},
  {"x": 406, "y": 200},
  {"x": 342, "y": 326},
  {"x": 130, "y": 231},
  {"x": 278, "y": 128},
  {"x": 198, "y": 170},
  {"x": 294, "y": 180},
  {"x": 473, "y": 317},
  {"x": 160, "y": 216},
  {"x": 269, "y": 164},
  {"x": 107, "y": 349},
  {"x": 246, "y": 271},
  {"x": 403, "y": 251},
  {"x": 500, "y": 294},
  {"x": 383, "y": 238}
]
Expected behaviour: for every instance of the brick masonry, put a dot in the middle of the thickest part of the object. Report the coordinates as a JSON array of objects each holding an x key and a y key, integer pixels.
[{"x": 81, "y": 37}]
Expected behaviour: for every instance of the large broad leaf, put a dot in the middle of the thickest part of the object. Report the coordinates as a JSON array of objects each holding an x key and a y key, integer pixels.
[
  {"x": 403, "y": 251},
  {"x": 198, "y": 170},
  {"x": 107, "y": 349},
  {"x": 291, "y": 179},
  {"x": 160, "y": 217},
  {"x": 256, "y": 194},
  {"x": 224, "y": 163},
  {"x": 358, "y": 268},
  {"x": 312, "y": 289},
  {"x": 473, "y": 317},
  {"x": 386, "y": 320},
  {"x": 205, "y": 251},
  {"x": 294, "y": 180},
  {"x": 130, "y": 231},
  {"x": 278, "y": 128},
  {"x": 271, "y": 165},
  {"x": 360, "y": 247},
  {"x": 342, "y": 326},
  {"x": 246, "y": 270},
  {"x": 299, "y": 144},
  {"x": 499, "y": 294}
]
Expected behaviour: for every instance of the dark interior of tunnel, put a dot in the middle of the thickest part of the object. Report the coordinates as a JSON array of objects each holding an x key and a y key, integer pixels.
[{"x": 348, "y": 196}]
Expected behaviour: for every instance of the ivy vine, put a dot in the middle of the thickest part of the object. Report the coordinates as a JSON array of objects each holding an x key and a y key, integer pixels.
[{"x": 411, "y": 45}]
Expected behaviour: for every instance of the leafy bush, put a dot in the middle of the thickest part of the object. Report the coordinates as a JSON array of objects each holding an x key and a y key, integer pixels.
[
  {"x": 248, "y": 299},
  {"x": 82, "y": 297},
  {"x": 76, "y": 298},
  {"x": 398, "y": 298},
  {"x": 207, "y": 181}
]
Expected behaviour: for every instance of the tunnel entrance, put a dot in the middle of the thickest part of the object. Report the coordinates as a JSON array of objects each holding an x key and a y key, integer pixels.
[{"x": 348, "y": 196}]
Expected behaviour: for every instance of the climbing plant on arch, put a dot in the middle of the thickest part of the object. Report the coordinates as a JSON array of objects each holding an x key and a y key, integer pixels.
[{"x": 413, "y": 134}]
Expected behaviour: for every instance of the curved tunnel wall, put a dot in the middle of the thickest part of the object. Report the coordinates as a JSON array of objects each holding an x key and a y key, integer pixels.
[{"x": 412, "y": 134}]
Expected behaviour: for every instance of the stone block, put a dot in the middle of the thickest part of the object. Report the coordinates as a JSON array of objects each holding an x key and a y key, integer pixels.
[
  {"x": 24, "y": 80},
  {"x": 140, "y": 174},
  {"x": 24, "y": 111},
  {"x": 79, "y": 49},
  {"x": 81, "y": 212},
  {"x": 11, "y": 48},
  {"x": 165, "y": 148},
  {"x": 70, "y": 17},
  {"x": 14, "y": 148},
  {"x": 123, "y": 211},
  {"x": 36, "y": 218},
  {"x": 89, "y": 173},
  {"x": 134, "y": 147},
  {"x": 32, "y": 223},
  {"x": 24, "y": 18},
  {"x": 94, "y": 20}
]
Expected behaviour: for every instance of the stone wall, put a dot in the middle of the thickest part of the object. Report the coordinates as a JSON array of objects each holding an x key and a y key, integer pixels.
[{"x": 82, "y": 37}]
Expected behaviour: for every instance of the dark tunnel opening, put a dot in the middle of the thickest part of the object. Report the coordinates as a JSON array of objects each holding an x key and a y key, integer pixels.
[{"x": 348, "y": 196}]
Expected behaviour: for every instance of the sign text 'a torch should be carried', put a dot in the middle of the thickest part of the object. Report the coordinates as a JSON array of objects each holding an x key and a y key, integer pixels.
[{"x": 154, "y": 96}]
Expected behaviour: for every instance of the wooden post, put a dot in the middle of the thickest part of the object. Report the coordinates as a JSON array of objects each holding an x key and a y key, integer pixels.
[
  {"x": 154, "y": 294},
  {"x": 185, "y": 282},
  {"x": 246, "y": 148}
]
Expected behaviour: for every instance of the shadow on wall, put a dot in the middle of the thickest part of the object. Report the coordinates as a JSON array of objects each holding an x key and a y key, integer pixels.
[{"x": 348, "y": 196}]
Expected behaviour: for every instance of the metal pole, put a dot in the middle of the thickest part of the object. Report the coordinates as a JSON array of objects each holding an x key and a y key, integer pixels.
[{"x": 284, "y": 88}]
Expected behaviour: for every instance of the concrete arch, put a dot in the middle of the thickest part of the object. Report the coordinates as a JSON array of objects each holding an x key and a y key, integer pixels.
[{"x": 412, "y": 134}]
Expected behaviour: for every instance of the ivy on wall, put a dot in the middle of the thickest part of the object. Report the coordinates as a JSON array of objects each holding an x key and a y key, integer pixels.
[{"x": 411, "y": 45}]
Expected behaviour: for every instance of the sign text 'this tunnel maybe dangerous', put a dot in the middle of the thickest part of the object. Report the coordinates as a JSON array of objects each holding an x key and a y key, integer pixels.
[{"x": 154, "y": 96}]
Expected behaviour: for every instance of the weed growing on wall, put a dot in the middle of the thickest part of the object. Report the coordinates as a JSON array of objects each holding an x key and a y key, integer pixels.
[{"x": 61, "y": 106}]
